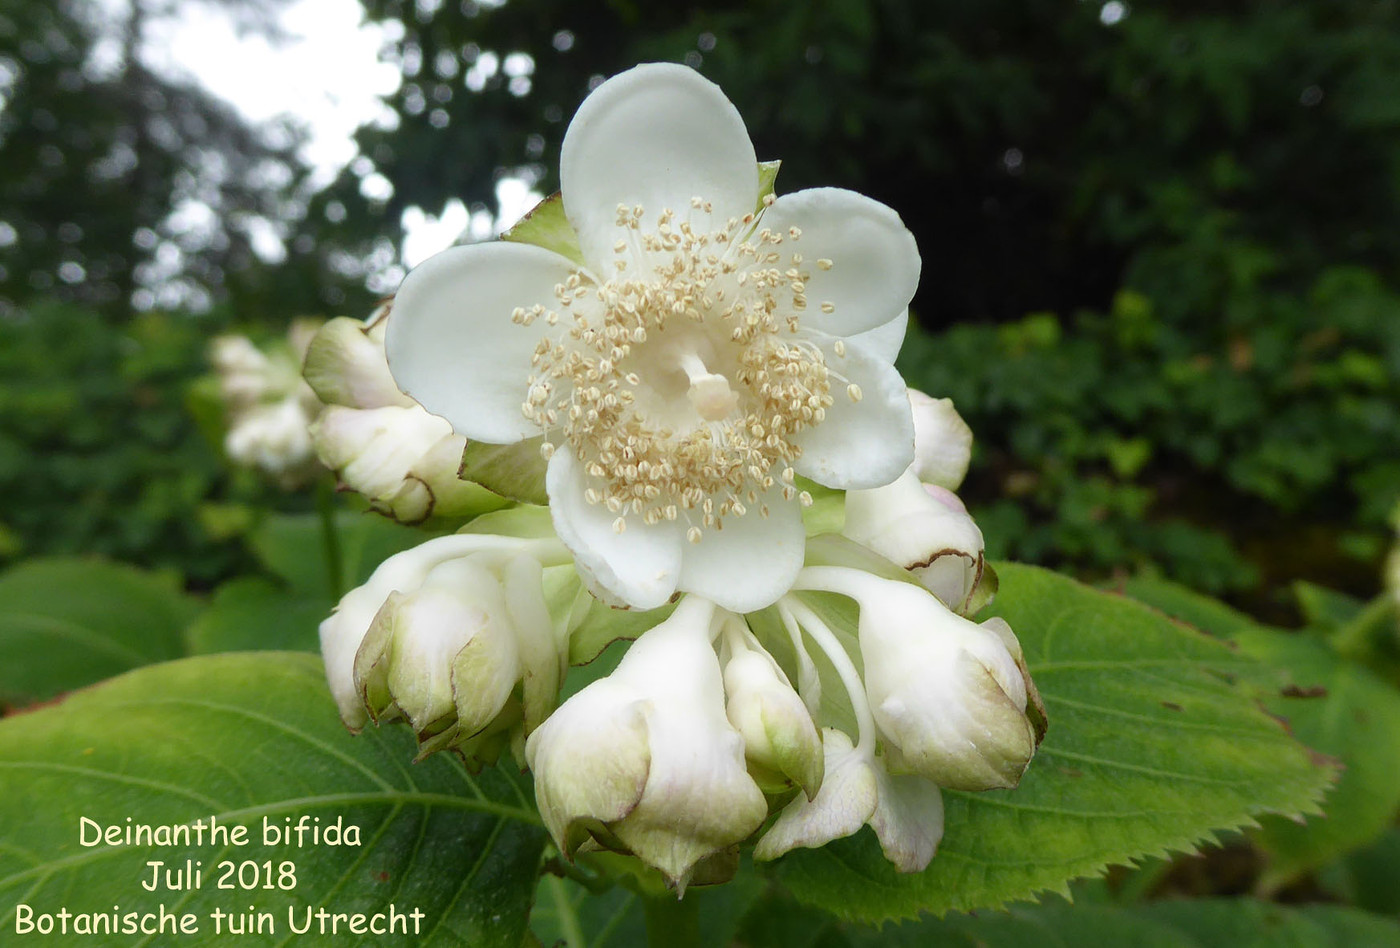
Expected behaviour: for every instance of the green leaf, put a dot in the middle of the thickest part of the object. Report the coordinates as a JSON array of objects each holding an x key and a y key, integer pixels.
[
  {"x": 245, "y": 739},
  {"x": 1332, "y": 705},
  {"x": 515, "y": 471},
  {"x": 292, "y": 548},
  {"x": 567, "y": 914},
  {"x": 546, "y": 226},
  {"x": 1151, "y": 748},
  {"x": 252, "y": 613},
  {"x": 1213, "y": 923},
  {"x": 65, "y": 623}
]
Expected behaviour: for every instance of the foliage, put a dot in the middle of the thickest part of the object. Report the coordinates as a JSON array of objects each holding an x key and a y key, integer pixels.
[
  {"x": 255, "y": 740},
  {"x": 98, "y": 453},
  {"x": 1224, "y": 458}
]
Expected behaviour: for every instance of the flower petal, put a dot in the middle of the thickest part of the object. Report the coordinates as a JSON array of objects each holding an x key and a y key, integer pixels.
[
  {"x": 847, "y": 798},
  {"x": 752, "y": 561},
  {"x": 640, "y": 565},
  {"x": 861, "y": 444},
  {"x": 451, "y": 343},
  {"x": 657, "y": 135},
  {"x": 874, "y": 260},
  {"x": 908, "y": 820},
  {"x": 886, "y": 339}
]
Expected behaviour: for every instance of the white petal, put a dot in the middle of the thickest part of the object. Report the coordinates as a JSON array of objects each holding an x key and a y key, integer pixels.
[
  {"x": 657, "y": 135},
  {"x": 847, "y": 798},
  {"x": 874, "y": 261},
  {"x": 752, "y": 561},
  {"x": 908, "y": 820},
  {"x": 886, "y": 339},
  {"x": 451, "y": 343},
  {"x": 640, "y": 565},
  {"x": 861, "y": 444}
]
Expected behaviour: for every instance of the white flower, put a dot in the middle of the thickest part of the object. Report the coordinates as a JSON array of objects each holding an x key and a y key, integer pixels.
[
  {"x": 644, "y": 760},
  {"x": 689, "y": 360},
  {"x": 274, "y": 439}
]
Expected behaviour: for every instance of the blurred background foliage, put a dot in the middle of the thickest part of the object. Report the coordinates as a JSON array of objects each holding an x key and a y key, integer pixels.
[{"x": 1159, "y": 242}]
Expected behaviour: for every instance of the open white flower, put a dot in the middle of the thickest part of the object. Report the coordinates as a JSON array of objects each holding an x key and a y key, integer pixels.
[{"x": 689, "y": 361}]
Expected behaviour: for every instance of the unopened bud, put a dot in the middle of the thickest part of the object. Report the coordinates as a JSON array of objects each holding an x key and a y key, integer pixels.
[
  {"x": 942, "y": 441},
  {"x": 780, "y": 738},
  {"x": 925, "y": 530}
]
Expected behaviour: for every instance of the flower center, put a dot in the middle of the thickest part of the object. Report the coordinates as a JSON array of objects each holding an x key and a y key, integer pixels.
[{"x": 681, "y": 381}]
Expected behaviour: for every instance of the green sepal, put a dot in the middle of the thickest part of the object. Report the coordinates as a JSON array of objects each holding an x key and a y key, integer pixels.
[
  {"x": 514, "y": 471},
  {"x": 547, "y": 226}
]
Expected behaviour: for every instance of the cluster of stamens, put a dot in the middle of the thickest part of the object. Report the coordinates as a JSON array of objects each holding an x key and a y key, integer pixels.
[{"x": 736, "y": 295}]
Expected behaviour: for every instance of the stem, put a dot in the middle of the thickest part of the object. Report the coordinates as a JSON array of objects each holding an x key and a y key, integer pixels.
[
  {"x": 566, "y": 913},
  {"x": 330, "y": 537},
  {"x": 790, "y": 608},
  {"x": 672, "y": 922}
]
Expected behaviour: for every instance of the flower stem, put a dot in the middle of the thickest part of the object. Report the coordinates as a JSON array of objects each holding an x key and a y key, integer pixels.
[
  {"x": 792, "y": 608},
  {"x": 672, "y": 922},
  {"x": 330, "y": 537}
]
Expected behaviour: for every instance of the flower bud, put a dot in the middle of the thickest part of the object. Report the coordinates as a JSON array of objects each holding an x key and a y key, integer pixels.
[
  {"x": 443, "y": 655},
  {"x": 402, "y": 459},
  {"x": 925, "y": 530},
  {"x": 942, "y": 441},
  {"x": 452, "y": 635},
  {"x": 345, "y": 364},
  {"x": 274, "y": 439},
  {"x": 644, "y": 761},
  {"x": 947, "y": 694},
  {"x": 780, "y": 738},
  {"x": 269, "y": 406}
]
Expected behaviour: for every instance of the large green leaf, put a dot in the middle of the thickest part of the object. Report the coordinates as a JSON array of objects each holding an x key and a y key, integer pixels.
[
  {"x": 252, "y": 613},
  {"x": 1333, "y": 705},
  {"x": 65, "y": 623},
  {"x": 246, "y": 738},
  {"x": 1151, "y": 748}
]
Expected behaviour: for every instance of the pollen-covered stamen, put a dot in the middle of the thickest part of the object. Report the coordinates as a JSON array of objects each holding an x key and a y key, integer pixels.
[{"x": 680, "y": 383}]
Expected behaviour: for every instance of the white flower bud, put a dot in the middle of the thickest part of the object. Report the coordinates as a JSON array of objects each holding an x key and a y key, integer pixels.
[
  {"x": 269, "y": 407},
  {"x": 345, "y": 365},
  {"x": 445, "y": 634},
  {"x": 273, "y": 438},
  {"x": 926, "y": 531},
  {"x": 644, "y": 761},
  {"x": 942, "y": 441},
  {"x": 947, "y": 694},
  {"x": 780, "y": 738},
  {"x": 443, "y": 655}
]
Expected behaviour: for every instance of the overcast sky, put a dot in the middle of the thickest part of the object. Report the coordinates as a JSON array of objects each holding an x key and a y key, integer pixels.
[{"x": 329, "y": 77}]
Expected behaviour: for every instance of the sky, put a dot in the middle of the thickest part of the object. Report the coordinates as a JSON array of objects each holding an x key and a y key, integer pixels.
[{"x": 328, "y": 76}]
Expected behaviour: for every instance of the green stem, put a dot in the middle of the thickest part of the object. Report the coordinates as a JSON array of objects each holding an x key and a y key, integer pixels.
[
  {"x": 330, "y": 537},
  {"x": 672, "y": 922},
  {"x": 566, "y": 913}
]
